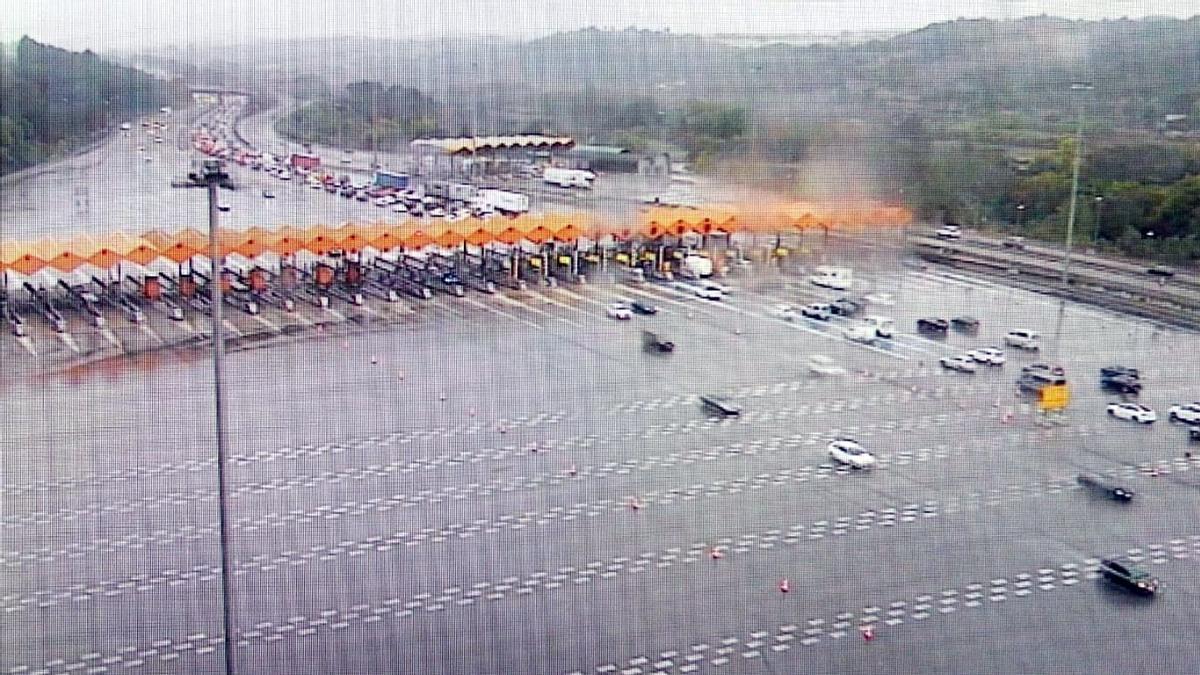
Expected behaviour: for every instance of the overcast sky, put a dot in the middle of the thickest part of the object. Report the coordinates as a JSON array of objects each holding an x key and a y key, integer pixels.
[{"x": 107, "y": 24}]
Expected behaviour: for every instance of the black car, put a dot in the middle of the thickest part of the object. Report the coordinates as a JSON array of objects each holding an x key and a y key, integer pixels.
[
  {"x": 1194, "y": 433},
  {"x": 933, "y": 325},
  {"x": 655, "y": 343},
  {"x": 643, "y": 308},
  {"x": 845, "y": 306},
  {"x": 1033, "y": 382},
  {"x": 1104, "y": 487},
  {"x": 1129, "y": 577},
  {"x": 1114, "y": 371},
  {"x": 1122, "y": 384},
  {"x": 965, "y": 324},
  {"x": 720, "y": 405},
  {"x": 1160, "y": 271}
]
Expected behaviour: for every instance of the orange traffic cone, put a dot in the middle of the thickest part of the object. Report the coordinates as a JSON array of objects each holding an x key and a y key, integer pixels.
[{"x": 785, "y": 586}]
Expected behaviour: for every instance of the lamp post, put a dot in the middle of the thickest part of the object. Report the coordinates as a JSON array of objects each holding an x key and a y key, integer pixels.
[
  {"x": 1020, "y": 213},
  {"x": 1096, "y": 225},
  {"x": 210, "y": 175},
  {"x": 1066, "y": 266}
]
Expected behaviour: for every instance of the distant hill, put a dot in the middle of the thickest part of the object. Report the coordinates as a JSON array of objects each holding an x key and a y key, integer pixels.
[
  {"x": 52, "y": 100},
  {"x": 1142, "y": 69}
]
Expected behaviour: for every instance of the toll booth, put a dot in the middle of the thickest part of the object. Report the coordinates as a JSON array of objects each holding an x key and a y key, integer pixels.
[{"x": 151, "y": 287}]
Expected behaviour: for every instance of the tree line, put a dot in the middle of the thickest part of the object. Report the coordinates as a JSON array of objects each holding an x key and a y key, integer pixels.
[{"x": 53, "y": 100}]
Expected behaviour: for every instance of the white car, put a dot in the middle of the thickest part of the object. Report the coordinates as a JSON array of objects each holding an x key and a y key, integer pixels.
[
  {"x": 962, "y": 363},
  {"x": 885, "y": 326},
  {"x": 861, "y": 333},
  {"x": 1022, "y": 339},
  {"x": 619, "y": 310},
  {"x": 820, "y": 310},
  {"x": 1185, "y": 412},
  {"x": 709, "y": 293},
  {"x": 992, "y": 356},
  {"x": 399, "y": 207},
  {"x": 1132, "y": 411},
  {"x": 819, "y": 364},
  {"x": 848, "y": 451},
  {"x": 885, "y": 299},
  {"x": 949, "y": 232},
  {"x": 785, "y": 312}
]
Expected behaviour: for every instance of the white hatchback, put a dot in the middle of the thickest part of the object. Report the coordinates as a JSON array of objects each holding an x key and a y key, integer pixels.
[
  {"x": 619, "y": 310},
  {"x": 850, "y": 452}
]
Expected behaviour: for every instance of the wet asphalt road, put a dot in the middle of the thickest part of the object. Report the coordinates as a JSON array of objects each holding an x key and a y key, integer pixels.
[{"x": 452, "y": 494}]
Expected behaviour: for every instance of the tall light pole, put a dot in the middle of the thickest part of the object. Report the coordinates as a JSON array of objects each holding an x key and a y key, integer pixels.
[
  {"x": 1096, "y": 225},
  {"x": 1020, "y": 213},
  {"x": 210, "y": 174},
  {"x": 1066, "y": 266}
]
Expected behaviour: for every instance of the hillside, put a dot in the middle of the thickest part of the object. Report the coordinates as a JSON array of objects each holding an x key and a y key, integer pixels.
[{"x": 51, "y": 100}]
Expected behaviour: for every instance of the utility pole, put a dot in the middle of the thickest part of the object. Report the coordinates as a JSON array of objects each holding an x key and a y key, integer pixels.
[{"x": 210, "y": 174}]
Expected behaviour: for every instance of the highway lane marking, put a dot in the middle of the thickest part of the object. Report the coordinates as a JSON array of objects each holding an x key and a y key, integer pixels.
[
  {"x": 27, "y": 342},
  {"x": 152, "y": 334},
  {"x": 831, "y": 626},
  {"x": 582, "y": 440},
  {"x": 268, "y": 324},
  {"x": 530, "y": 421},
  {"x": 608, "y": 470},
  {"x": 499, "y": 312},
  {"x": 919, "y": 608},
  {"x": 516, "y": 303},
  {"x": 107, "y": 334},
  {"x": 69, "y": 341}
]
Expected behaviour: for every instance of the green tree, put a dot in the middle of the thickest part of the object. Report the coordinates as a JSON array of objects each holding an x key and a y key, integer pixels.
[{"x": 1179, "y": 215}]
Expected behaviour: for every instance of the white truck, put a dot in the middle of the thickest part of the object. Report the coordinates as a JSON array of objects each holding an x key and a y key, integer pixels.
[
  {"x": 503, "y": 200},
  {"x": 568, "y": 177},
  {"x": 837, "y": 278},
  {"x": 695, "y": 266}
]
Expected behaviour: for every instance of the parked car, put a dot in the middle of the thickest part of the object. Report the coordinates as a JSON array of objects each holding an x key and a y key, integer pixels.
[
  {"x": 820, "y": 311},
  {"x": 961, "y": 363},
  {"x": 1045, "y": 368},
  {"x": 785, "y": 312},
  {"x": 1132, "y": 411},
  {"x": 1122, "y": 385},
  {"x": 965, "y": 324},
  {"x": 1128, "y": 577},
  {"x": 1185, "y": 412},
  {"x": 1014, "y": 242},
  {"x": 992, "y": 356},
  {"x": 933, "y": 326},
  {"x": 845, "y": 307},
  {"x": 1160, "y": 271},
  {"x": 1114, "y": 371},
  {"x": 1104, "y": 487},
  {"x": 1023, "y": 339}
]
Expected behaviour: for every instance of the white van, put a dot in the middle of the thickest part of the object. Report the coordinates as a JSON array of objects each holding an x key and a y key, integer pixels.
[
  {"x": 1023, "y": 339},
  {"x": 837, "y": 278},
  {"x": 884, "y": 326}
]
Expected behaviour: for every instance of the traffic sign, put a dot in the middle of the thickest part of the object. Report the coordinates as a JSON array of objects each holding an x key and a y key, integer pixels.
[{"x": 1054, "y": 397}]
